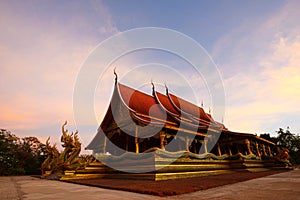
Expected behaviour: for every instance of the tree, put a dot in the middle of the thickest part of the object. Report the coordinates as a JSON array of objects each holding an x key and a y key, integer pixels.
[
  {"x": 9, "y": 159},
  {"x": 268, "y": 137},
  {"x": 33, "y": 153},
  {"x": 290, "y": 141},
  {"x": 19, "y": 156}
]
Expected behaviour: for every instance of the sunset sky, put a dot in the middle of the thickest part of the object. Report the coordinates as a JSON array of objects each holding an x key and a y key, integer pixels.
[{"x": 43, "y": 45}]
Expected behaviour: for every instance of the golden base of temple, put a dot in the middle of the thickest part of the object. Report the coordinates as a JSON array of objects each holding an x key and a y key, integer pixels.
[{"x": 182, "y": 168}]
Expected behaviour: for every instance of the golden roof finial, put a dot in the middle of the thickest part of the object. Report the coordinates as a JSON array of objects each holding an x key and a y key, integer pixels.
[
  {"x": 116, "y": 78},
  {"x": 167, "y": 89},
  {"x": 153, "y": 87}
]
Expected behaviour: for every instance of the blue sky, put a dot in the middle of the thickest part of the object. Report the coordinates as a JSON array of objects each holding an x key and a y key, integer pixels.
[
  {"x": 43, "y": 44},
  {"x": 205, "y": 21}
]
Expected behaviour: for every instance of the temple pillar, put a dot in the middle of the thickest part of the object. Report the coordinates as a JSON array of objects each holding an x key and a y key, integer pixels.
[
  {"x": 264, "y": 150},
  {"x": 219, "y": 150},
  {"x": 247, "y": 142},
  {"x": 238, "y": 148},
  {"x": 195, "y": 147},
  {"x": 229, "y": 150},
  {"x": 136, "y": 140},
  {"x": 179, "y": 144},
  {"x": 104, "y": 145},
  {"x": 205, "y": 145},
  {"x": 267, "y": 151},
  {"x": 187, "y": 140},
  {"x": 162, "y": 136},
  {"x": 257, "y": 149},
  {"x": 127, "y": 143},
  {"x": 270, "y": 151}
]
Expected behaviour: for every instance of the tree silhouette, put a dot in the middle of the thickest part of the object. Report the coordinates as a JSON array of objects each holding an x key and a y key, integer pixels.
[
  {"x": 19, "y": 156},
  {"x": 290, "y": 141},
  {"x": 268, "y": 137}
]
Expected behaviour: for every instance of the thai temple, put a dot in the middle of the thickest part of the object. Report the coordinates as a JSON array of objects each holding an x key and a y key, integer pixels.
[
  {"x": 131, "y": 110},
  {"x": 163, "y": 136}
]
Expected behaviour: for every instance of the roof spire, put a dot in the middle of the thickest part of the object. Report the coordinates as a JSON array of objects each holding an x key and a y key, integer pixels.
[
  {"x": 153, "y": 87},
  {"x": 202, "y": 103},
  {"x": 167, "y": 90},
  {"x": 209, "y": 111},
  {"x": 116, "y": 78}
]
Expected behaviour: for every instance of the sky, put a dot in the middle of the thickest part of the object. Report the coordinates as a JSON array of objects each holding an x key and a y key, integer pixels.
[{"x": 44, "y": 44}]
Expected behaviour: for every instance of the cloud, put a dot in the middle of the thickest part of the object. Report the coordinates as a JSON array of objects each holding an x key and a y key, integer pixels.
[
  {"x": 260, "y": 63},
  {"x": 42, "y": 47}
]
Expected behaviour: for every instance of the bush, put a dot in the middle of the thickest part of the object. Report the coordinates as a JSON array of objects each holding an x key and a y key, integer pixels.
[
  {"x": 20, "y": 156},
  {"x": 15, "y": 171},
  {"x": 290, "y": 141}
]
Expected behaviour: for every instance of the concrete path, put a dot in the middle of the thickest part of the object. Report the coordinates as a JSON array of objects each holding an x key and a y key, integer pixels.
[
  {"x": 279, "y": 186},
  {"x": 283, "y": 186},
  {"x": 9, "y": 189}
]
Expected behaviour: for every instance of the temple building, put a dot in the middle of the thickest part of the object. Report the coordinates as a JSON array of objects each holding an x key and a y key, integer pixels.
[
  {"x": 162, "y": 136},
  {"x": 138, "y": 122}
]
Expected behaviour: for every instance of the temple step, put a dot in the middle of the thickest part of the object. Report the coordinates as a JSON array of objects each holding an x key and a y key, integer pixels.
[{"x": 165, "y": 170}]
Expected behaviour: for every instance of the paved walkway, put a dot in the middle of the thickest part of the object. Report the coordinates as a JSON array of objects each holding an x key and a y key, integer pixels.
[{"x": 283, "y": 186}]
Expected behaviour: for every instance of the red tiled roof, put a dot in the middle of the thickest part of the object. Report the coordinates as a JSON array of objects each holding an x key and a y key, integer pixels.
[
  {"x": 189, "y": 108},
  {"x": 140, "y": 102},
  {"x": 163, "y": 107},
  {"x": 167, "y": 104}
]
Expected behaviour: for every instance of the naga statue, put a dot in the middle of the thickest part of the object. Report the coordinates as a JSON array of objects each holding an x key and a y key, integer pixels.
[
  {"x": 68, "y": 159},
  {"x": 283, "y": 156},
  {"x": 51, "y": 159}
]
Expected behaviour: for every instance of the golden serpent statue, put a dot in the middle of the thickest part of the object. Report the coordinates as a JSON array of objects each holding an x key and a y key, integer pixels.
[{"x": 68, "y": 159}]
